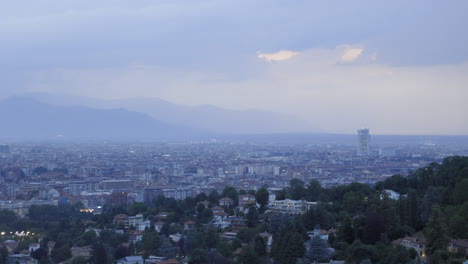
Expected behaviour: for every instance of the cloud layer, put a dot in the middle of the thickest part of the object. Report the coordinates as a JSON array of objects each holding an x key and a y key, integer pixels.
[
  {"x": 398, "y": 69},
  {"x": 277, "y": 56},
  {"x": 315, "y": 86}
]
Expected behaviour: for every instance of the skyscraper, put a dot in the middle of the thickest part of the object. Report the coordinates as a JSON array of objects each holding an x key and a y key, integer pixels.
[{"x": 363, "y": 141}]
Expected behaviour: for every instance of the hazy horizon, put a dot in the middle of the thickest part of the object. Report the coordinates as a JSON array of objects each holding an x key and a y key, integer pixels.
[{"x": 398, "y": 68}]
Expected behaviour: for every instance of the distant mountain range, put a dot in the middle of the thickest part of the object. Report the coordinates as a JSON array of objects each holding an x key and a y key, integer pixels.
[
  {"x": 26, "y": 118},
  {"x": 43, "y": 116},
  {"x": 205, "y": 118}
]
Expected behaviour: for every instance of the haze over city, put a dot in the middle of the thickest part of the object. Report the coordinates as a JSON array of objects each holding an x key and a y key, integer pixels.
[{"x": 397, "y": 67}]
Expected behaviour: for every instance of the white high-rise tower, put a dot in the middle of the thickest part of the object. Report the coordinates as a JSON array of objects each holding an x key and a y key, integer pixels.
[{"x": 363, "y": 141}]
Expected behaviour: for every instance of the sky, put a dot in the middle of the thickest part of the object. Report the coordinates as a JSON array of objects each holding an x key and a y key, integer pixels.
[{"x": 397, "y": 67}]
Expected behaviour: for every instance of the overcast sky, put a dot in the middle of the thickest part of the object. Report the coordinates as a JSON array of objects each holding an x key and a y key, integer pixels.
[{"x": 398, "y": 67}]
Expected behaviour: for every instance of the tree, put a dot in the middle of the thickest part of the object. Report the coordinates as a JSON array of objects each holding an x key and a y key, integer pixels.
[
  {"x": 80, "y": 260},
  {"x": 232, "y": 193},
  {"x": 399, "y": 255},
  {"x": 150, "y": 243},
  {"x": 38, "y": 253},
  {"x": 318, "y": 250},
  {"x": 436, "y": 231},
  {"x": 137, "y": 208},
  {"x": 100, "y": 254},
  {"x": 248, "y": 255},
  {"x": 346, "y": 230},
  {"x": 460, "y": 195},
  {"x": 288, "y": 248},
  {"x": 252, "y": 216},
  {"x": 210, "y": 238},
  {"x": 225, "y": 248},
  {"x": 262, "y": 198},
  {"x": 297, "y": 189},
  {"x": 314, "y": 189},
  {"x": 260, "y": 246},
  {"x": 89, "y": 237},
  {"x": 198, "y": 256},
  {"x": 3, "y": 255},
  {"x": 374, "y": 227},
  {"x": 200, "y": 208},
  {"x": 213, "y": 197},
  {"x": 121, "y": 252},
  {"x": 7, "y": 217},
  {"x": 236, "y": 243},
  {"x": 61, "y": 254},
  {"x": 358, "y": 252},
  {"x": 390, "y": 215},
  {"x": 167, "y": 250}
]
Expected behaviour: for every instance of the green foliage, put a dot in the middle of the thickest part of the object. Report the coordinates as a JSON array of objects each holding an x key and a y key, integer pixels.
[
  {"x": 374, "y": 228},
  {"x": 359, "y": 252},
  {"x": 262, "y": 198},
  {"x": 460, "y": 193},
  {"x": 99, "y": 255},
  {"x": 318, "y": 250},
  {"x": 232, "y": 193},
  {"x": 248, "y": 255},
  {"x": 436, "y": 231},
  {"x": 167, "y": 250},
  {"x": 246, "y": 234},
  {"x": 260, "y": 246},
  {"x": 198, "y": 256},
  {"x": 121, "y": 252},
  {"x": 252, "y": 216},
  {"x": 79, "y": 260},
  {"x": 3, "y": 255},
  {"x": 137, "y": 208},
  {"x": 226, "y": 248},
  {"x": 150, "y": 242},
  {"x": 236, "y": 243},
  {"x": 213, "y": 197},
  {"x": 346, "y": 230},
  {"x": 288, "y": 248},
  {"x": 61, "y": 254},
  {"x": 89, "y": 237},
  {"x": 314, "y": 190},
  {"x": 7, "y": 220},
  {"x": 297, "y": 189}
]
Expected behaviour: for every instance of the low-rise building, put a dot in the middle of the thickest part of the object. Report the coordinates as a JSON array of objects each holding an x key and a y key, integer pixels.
[
  {"x": 131, "y": 260},
  {"x": 417, "y": 243},
  {"x": 290, "y": 207},
  {"x": 246, "y": 200}
]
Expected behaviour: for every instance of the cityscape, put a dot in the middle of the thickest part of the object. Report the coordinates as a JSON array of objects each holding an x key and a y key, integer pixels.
[
  {"x": 233, "y": 132},
  {"x": 99, "y": 176}
]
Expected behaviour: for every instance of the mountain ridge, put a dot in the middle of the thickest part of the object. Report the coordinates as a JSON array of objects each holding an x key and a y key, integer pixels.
[
  {"x": 24, "y": 117},
  {"x": 203, "y": 117}
]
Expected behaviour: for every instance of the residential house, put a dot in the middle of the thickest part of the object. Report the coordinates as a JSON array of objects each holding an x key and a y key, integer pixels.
[
  {"x": 228, "y": 202},
  {"x": 158, "y": 226},
  {"x": 459, "y": 246},
  {"x": 135, "y": 236},
  {"x": 246, "y": 200},
  {"x": 131, "y": 260},
  {"x": 268, "y": 238},
  {"x": 188, "y": 225},
  {"x": 228, "y": 235},
  {"x": 120, "y": 219},
  {"x": 417, "y": 243}
]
